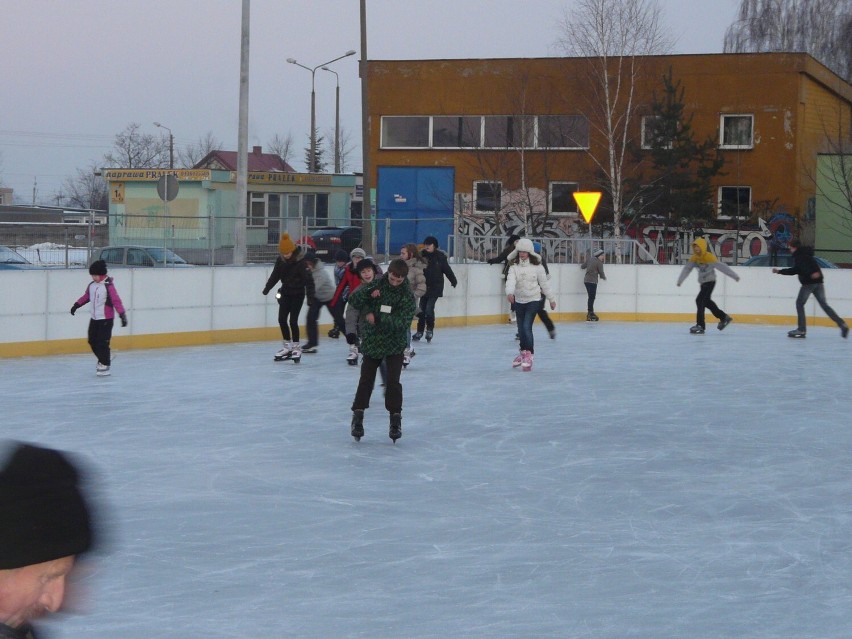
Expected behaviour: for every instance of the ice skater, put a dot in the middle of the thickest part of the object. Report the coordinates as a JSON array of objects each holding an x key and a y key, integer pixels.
[
  {"x": 526, "y": 282},
  {"x": 502, "y": 258},
  {"x": 437, "y": 268},
  {"x": 293, "y": 272},
  {"x": 707, "y": 264},
  {"x": 594, "y": 267},
  {"x": 417, "y": 280},
  {"x": 353, "y": 318},
  {"x": 101, "y": 292},
  {"x": 810, "y": 276},
  {"x": 387, "y": 306},
  {"x": 323, "y": 293}
]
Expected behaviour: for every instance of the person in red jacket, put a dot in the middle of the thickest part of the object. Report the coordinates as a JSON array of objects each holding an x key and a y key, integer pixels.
[{"x": 105, "y": 301}]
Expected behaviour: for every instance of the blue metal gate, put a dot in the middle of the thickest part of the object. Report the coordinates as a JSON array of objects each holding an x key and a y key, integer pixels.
[{"x": 418, "y": 201}]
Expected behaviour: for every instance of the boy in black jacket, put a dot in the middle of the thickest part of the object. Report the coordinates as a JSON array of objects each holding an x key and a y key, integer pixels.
[{"x": 810, "y": 276}]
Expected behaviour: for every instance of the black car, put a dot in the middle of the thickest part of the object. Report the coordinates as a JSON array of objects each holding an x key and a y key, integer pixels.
[{"x": 330, "y": 239}]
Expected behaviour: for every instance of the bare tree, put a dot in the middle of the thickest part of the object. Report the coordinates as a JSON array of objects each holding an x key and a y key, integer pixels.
[
  {"x": 193, "y": 153},
  {"x": 614, "y": 35},
  {"x": 282, "y": 146},
  {"x": 346, "y": 147},
  {"x": 133, "y": 149},
  {"x": 822, "y": 28},
  {"x": 87, "y": 190}
]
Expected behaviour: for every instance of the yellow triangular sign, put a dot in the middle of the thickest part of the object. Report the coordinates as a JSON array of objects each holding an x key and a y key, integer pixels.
[{"x": 588, "y": 203}]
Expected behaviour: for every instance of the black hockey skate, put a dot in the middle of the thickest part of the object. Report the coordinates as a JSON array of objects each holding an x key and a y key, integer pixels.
[
  {"x": 428, "y": 335},
  {"x": 357, "y": 424},
  {"x": 395, "y": 428},
  {"x": 797, "y": 334},
  {"x": 697, "y": 330},
  {"x": 334, "y": 333},
  {"x": 417, "y": 336}
]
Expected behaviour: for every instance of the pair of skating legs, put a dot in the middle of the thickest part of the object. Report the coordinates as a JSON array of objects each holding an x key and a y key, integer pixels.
[
  {"x": 704, "y": 301},
  {"x": 425, "y": 319},
  {"x": 592, "y": 292},
  {"x": 818, "y": 291},
  {"x": 393, "y": 394}
]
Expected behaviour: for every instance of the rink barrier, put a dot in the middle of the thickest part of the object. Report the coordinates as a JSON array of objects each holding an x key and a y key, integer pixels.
[{"x": 224, "y": 304}]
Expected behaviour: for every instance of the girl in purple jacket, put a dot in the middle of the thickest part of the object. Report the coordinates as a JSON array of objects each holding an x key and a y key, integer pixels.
[{"x": 105, "y": 302}]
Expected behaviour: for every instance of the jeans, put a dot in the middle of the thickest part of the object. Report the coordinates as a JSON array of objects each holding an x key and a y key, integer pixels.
[
  {"x": 426, "y": 316},
  {"x": 819, "y": 293},
  {"x": 393, "y": 388},
  {"x": 592, "y": 290},
  {"x": 525, "y": 315},
  {"x": 703, "y": 301}
]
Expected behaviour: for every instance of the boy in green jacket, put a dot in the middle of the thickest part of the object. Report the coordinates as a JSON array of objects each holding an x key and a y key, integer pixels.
[{"x": 387, "y": 307}]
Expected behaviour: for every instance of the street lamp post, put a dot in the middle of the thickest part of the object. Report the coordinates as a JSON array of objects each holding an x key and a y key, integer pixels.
[
  {"x": 336, "y": 120},
  {"x": 171, "y": 144},
  {"x": 313, "y": 70}
]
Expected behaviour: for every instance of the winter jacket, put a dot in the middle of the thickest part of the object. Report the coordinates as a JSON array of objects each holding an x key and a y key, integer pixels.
[
  {"x": 323, "y": 285},
  {"x": 436, "y": 268},
  {"x": 594, "y": 268},
  {"x": 527, "y": 281},
  {"x": 22, "y": 632},
  {"x": 804, "y": 265},
  {"x": 416, "y": 276},
  {"x": 706, "y": 271},
  {"x": 104, "y": 298},
  {"x": 350, "y": 280},
  {"x": 393, "y": 310},
  {"x": 294, "y": 275}
]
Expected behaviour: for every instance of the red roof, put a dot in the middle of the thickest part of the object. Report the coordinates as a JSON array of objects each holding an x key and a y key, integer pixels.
[{"x": 257, "y": 161}]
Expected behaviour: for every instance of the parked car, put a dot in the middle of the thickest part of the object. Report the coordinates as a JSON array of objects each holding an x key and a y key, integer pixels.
[
  {"x": 329, "y": 240},
  {"x": 140, "y": 256},
  {"x": 12, "y": 260},
  {"x": 784, "y": 260}
]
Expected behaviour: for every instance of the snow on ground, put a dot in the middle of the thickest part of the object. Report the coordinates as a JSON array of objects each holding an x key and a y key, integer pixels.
[{"x": 639, "y": 482}]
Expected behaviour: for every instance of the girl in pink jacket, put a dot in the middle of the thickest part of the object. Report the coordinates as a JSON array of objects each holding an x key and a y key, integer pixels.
[{"x": 105, "y": 302}]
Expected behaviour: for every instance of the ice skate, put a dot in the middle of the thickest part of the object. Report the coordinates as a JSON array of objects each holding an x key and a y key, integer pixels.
[
  {"x": 296, "y": 354},
  {"x": 334, "y": 333},
  {"x": 406, "y": 357},
  {"x": 352, "y": 358},
  {"x": 512, "y": 318},
  {"x": 395, "y": 428},
  {"x": 552, "y": 333},
  {"x": 357, "y": 424},
  {"x": 527, "y": 361},
  {"x": 844, "y": 331},
  {"x": 797, "y": 334},
  {"x": 417, "y": 336},
  {"x": 518, "y": 360},
  {"x": 284, "y": 353},
  {"x": 102, "y": 370},
  {"x": 724, "y": 322},
  {"x": 428, "y": 335},
  {"x": 309, "y": 348},
  {"x": 697, "y": 330},
  {"x": 589, "y": 317}
]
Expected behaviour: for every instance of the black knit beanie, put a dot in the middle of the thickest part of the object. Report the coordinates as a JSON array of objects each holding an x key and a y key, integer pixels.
[
  {"x": 44, "y": 514},
  {"x": 431, "y": 240},
  {"x": 98, "y": 267}
]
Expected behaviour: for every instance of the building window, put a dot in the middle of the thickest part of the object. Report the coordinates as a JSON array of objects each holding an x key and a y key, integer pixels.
[
  {"x": 487, "y": 196},
  {"x": 563, "y": 132},
  {"x": 653, "y": 135},
  {"x": 256, "y": 210},
  {"x": 562, "y": 197},
  {"x": 734, "y": 201},
  {"x": 509, "y": 131},
  {"x": 737, "y": 131},
  {"x": 405, "y": 132},
  {"x": 456, "y": 131}
]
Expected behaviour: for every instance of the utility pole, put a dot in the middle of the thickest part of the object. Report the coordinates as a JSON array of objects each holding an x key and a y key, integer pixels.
[{"x": 242, "y": 142}]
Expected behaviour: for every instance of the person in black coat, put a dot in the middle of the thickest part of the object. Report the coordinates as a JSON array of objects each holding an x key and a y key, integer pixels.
[
  {"x": 296, "y": 279},
  {"x": 810, "y": 276},
  {"x": 437, "y": 268}
]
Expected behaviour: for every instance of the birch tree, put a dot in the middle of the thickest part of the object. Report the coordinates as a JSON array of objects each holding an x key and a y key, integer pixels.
[{"x": 614, "y": 35}]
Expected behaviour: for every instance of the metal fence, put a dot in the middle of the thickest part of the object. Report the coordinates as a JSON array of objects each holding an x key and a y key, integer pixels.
[{"x": 210, "y": 240}]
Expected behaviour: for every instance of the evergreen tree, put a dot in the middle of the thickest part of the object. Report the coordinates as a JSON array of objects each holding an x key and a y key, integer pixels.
[
  {"x": 320, "y": 165},
  {"x": 681, "y": 169}
]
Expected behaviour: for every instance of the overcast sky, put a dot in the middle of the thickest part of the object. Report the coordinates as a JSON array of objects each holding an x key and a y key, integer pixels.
[{"x": 76, "y": 73}]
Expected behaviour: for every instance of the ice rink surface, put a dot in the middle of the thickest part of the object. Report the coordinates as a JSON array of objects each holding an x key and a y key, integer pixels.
[{"x": 639, "y": 482}]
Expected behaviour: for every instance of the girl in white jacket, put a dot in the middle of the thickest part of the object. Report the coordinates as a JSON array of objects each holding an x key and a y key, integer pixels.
[{"x": 525, "y": 284}]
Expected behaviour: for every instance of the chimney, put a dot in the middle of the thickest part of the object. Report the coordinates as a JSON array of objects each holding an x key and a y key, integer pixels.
[{"x": 256, "y": 150}]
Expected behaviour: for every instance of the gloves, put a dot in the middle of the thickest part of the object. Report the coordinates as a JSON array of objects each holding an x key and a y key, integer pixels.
[
  {"x": 312, "y": 301},
  {"x": 123, "y": 317},
  {"x": 454, "y": 284},
  {"x": 492, "y": 261},
  {"x": 74, "y": 308},
  {"x": 266, "y": 291}
]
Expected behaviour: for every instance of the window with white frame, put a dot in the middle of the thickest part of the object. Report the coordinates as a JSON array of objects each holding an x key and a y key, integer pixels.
[
  {"x": 256, "y": 210},
  {"x": 562, "y": 197},
  {"x": 487, "y": 196},
  {"x": 563, "y": 132},
  {"x": 734, "y": 201},
  {"x": 737, "y": 131},
  {"x": 405, "y": 132},
  {"x": 653, "y": 135},
  {"x": 461, "y": 131}
]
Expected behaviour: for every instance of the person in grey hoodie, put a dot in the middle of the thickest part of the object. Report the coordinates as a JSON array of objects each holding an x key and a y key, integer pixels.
[
  {"x": 594, "y": 269},
  {"x": 323, "y": 293},
  {"x": 703, "y": 259}
]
